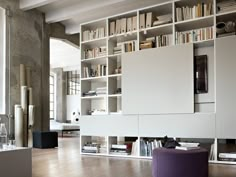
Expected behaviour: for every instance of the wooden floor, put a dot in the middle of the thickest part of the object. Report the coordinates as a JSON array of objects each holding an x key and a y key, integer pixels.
[{"x": 66, "y": 161}]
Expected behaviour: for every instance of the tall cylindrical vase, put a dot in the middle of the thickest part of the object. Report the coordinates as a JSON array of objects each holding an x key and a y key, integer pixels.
[
  {"x": 24, "y": 105},
  {"x": 19, "y": 122}
]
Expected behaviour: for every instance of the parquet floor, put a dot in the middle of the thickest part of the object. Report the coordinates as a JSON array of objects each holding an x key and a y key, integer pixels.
[{"x": 66, "y": 161}]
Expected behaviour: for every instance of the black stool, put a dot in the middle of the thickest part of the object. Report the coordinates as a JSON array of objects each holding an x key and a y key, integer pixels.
[{"x": 45, "y": 139}]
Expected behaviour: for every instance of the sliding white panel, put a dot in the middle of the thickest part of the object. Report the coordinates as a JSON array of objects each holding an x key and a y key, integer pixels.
[{"x": 158, "y": 81}]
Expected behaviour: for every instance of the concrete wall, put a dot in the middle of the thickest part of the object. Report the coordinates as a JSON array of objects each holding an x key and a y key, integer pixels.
[{"x": 28, "y": 43}]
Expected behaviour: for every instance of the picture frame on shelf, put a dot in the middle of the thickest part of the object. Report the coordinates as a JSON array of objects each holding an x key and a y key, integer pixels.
[{"x": 200, "y": 74}]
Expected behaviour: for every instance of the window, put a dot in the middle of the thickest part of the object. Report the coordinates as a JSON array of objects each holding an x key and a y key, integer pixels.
[
  {"x": 52, "y": 96},
  {"x": 2, "y": 61},
  {"x": 73, "y": 83}
]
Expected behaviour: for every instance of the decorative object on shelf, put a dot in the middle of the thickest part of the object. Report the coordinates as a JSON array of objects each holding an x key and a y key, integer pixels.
[
  {"x": 118, "y": 91},
  {"x": 230, "y": 27},
  {"x": 226, "y": 6},
  {"x": 200, "y": 74},
  {"x": 24, "y": 113},
  {"x": 75, "y": 116},
  {"x": 220, "y": 27},
  {"x": 117, "y": 70}
]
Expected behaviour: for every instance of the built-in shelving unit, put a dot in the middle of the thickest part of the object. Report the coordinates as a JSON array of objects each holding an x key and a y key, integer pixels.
[{"x": 172, "y": 23}]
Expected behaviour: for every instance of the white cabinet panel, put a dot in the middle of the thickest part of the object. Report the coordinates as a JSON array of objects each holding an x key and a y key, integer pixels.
[
  {"x": 180, "y": 126},
  {"x": 112, "y": 125},
  {"x": 158, "y": 81},
  {"x": 226, "y": 87}
]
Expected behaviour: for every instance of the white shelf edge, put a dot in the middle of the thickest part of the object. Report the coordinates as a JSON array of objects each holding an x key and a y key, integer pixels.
[
  {"x": 114, "y": 95},
  {"x": 114, "y": 55},
  {"x": 194, "y": 19},
  {"x": 96, "y": 58},
  {"x": 93, "y": 78},
  {"x": 93, "y": 40},
  {"x": 225, "y": 13},
  {"x": 156, "y": 27},
  {"x": 197, "y": 42},
  {"x": 92, "y": 97},
  {"x": 123, "y": 34},
  {"x": 114, "y": 75}
]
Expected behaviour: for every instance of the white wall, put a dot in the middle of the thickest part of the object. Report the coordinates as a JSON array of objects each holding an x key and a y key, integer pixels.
[{"x": 2, "y": 60}]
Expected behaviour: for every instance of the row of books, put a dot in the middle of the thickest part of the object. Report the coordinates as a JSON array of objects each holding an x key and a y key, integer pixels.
[
  {"x": 93, "y": 34},
  {"x": 199, "y": 10},
  {"x": 147, "y": 146},
  {"x": 158, "y": 41},
  {"x": 95, "y": 52},
  {"x": 98, "y": 91},
  {"x": 128, "y": 46},
  {"x": 194, "y": 35},
  {"x": 123, "y": 25},
  {"x": 147, "y": 20},
  {"x": 225, "y": 6},
  {"x": 97, "y": 71}
]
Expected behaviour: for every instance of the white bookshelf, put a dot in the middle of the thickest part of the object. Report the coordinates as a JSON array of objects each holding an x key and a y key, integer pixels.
[{"x": 111, "y": 102}]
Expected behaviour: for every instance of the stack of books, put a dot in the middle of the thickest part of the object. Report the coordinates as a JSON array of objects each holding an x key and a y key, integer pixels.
[
  {"x": 101, "y": 91},
  {"x": 163, "y": 19},
  {"x": 194, "y": 35},
  {"x": 93, "y": 34},
  {"x": 90, "y": 93},
  {"x": 97, "y": 92},
  {"x": 148, "y": 145},
  {"x": 187, "y": 146},
  {"x": 199, "y": 10},
  {"x": 226, "y": 6},
  {"x": 97, "y": 112},
  {"x": 147, "y": 44},
  {"x": 227, "y": 156},
  {"x": 95, "y": 52},
  {"x": 121, "y": 149},
  {"x": 91, "y": 148},
  {"x": 122, "y": 47}
]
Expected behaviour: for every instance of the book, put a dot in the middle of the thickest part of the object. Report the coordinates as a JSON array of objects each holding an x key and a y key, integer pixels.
[
  {"x": 134, "y": 25},
  {"x": 186, "y": 148},
  {"x": 142, "y": 21}
]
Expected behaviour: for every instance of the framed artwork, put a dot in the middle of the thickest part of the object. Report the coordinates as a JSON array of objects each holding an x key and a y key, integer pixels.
[{"x": 200, "y": 74}]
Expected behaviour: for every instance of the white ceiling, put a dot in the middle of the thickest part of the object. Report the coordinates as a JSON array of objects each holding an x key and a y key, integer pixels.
[
  {"x": 72, "y": 13},
  {"x": 63, "y": 54}
]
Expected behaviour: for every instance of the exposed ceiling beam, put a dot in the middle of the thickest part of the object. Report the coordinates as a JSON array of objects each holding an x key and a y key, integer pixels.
[
  {"x": 73, "y": 25},
  {"x": 66, "y": 13},
  {"x": 31, "y": 4}
]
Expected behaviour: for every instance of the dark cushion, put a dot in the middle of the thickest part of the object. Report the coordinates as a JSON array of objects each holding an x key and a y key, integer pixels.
[
  {"x": 179, "y": 163},
  {"x": 45, "y": 139}
]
